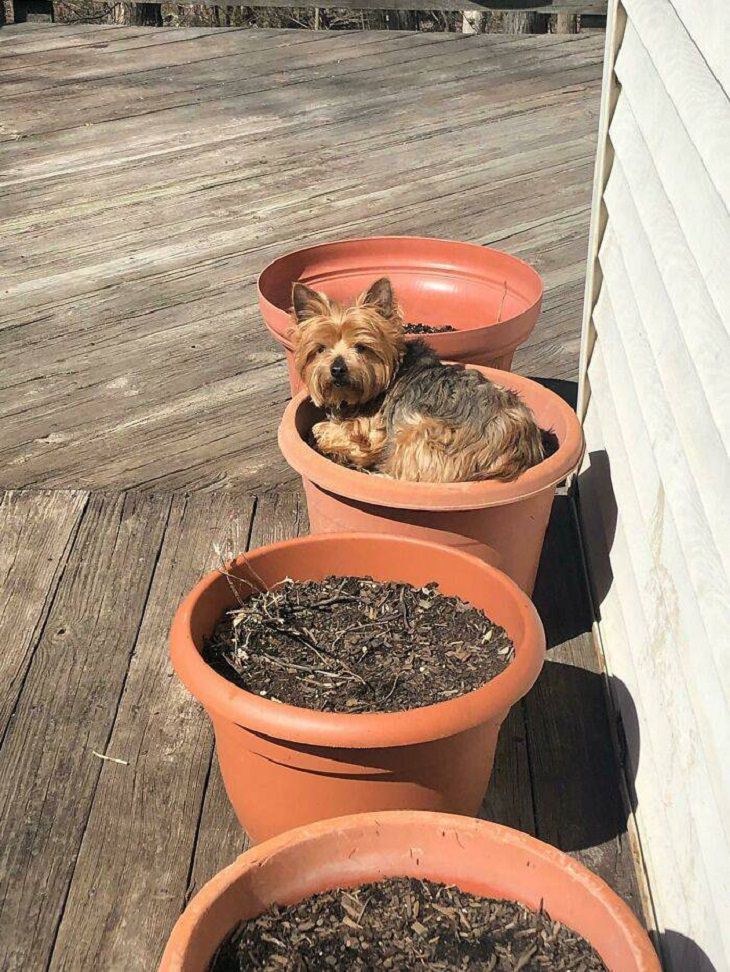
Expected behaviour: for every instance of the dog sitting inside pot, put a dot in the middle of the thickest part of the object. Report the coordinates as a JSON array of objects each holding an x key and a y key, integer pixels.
[{"x": 393, "y": 407}]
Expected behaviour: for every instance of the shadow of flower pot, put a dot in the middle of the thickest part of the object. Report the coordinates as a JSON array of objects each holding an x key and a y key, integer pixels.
[
  {"x": 567, "y": 390},
  {"x": 575, "y": 770},
  {"x": 595, "y": 491},
  {"x": 557, "y": 772},
  {"x": 681, "y": 954}
]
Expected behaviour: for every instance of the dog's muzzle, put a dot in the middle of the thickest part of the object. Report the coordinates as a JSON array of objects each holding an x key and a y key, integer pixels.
[{"x": 338, "y": 370}]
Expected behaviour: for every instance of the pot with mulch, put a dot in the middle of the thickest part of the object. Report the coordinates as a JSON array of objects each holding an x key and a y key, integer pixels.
[
  {"x": 502, "y": 522},
  {"x": 471, "y": 304},
  {"x": 345, "y": 673},
  {"x": 407, "y": 890}
]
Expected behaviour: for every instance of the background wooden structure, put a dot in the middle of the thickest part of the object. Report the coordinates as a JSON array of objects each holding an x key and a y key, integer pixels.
[{"x": 509, "y": 16}]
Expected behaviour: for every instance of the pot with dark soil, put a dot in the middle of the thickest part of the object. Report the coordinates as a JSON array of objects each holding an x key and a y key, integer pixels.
[
  {"x": 471, "y": 304},
  {"x": 405, "y": 923},
  {"x": 352, "y": 672},
  {"x": 407, "y": 891},
  {"x": 353, "y": 644}
]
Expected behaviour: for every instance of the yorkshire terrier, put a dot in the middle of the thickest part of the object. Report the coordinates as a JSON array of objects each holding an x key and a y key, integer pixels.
[{"x": 393, "y": 407}]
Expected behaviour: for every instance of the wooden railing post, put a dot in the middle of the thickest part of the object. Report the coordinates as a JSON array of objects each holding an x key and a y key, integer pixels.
[
  {"x": 564, "y": 23},
  {"x": 504, "y": 22},
  {"x": 472, "y": 22}
]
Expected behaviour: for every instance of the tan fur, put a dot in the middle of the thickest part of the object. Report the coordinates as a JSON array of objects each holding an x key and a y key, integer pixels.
[
  {"x": 370, "y": 343},
  {"x": 513, "y": 445},
  {"x": 368, "y": 339},
  {"x": 430, "y": 451},
  {"x": 352, "y": 442}
]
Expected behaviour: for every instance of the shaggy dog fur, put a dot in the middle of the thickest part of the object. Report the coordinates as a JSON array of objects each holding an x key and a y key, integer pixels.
[{"x": 393, "y": 407}]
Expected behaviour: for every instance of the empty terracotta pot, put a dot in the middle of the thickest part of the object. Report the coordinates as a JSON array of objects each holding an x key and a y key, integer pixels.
[
  {"x": 476, "y": 856},
  {"x": 492, "y": 298},
  {"x": 503, "y": 523},
  {"x": 284, "y": 766}
]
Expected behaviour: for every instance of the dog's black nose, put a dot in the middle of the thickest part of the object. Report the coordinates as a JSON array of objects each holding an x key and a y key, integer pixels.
[{"x": 338, "y": 368}]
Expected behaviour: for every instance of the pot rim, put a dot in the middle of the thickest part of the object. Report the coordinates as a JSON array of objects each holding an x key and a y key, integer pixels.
[
  {"x": 405, "y": 495},
  {"x": 577, "y": 875},
  {"x": 374, "y": 730},
  {"x": 448, "y": 341}
]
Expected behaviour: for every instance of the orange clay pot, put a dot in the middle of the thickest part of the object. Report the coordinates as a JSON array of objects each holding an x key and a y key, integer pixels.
[
  {"x": 476, "y": 856},
  {"x": 503, "y": 523},
  {"x": 436, "y": 281},
  {"x": 284, "y": 766}
]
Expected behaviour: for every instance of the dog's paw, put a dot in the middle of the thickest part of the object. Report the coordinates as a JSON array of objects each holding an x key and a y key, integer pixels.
[{"x": 319, "y": 431}]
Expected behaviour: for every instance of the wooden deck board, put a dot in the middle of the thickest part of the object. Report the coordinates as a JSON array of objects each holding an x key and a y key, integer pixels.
[
  {"x": 509, "y": 799},
  {"x": 33, "y": 38},
  {"x": 140, "y": 834},
  {"x": 48, "y": 771},
  {"x": 37, "y": 531},
  {"x": 293, "y": 58},
  {"x": 157, "y": 175},
  {"x": 278, "y": 516},
  {"x": 33, "y": 166}
]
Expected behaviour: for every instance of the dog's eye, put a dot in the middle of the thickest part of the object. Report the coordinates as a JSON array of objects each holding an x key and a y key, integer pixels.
[
  {"x": 320, "y": 348},
  {"x": 360, "y": 348}
]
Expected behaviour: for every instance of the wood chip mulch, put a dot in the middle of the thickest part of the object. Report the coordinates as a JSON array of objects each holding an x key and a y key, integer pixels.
[
  {"x": 348, "y": 644},
  {"x": 405, "y": 925},
  {"x": 428, "y": 329}
]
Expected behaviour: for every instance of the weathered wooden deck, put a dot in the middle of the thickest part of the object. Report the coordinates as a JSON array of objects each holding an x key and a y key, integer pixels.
[{"x": 147, "y": 175}]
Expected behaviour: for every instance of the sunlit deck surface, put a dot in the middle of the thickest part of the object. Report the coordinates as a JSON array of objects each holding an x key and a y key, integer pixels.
[{"x": 147, "y": 175}]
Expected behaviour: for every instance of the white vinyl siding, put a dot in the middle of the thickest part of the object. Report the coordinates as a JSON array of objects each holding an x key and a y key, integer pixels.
[{"x": 655, "y": 488}]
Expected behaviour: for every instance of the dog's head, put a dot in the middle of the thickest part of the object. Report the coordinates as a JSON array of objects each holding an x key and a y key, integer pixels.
[{"x": 347, "y": 355}]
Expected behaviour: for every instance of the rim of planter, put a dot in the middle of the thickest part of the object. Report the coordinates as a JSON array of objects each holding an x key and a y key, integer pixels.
[
  {"x": 402, "y": 494},
  {"x": 372, "y": 730},
  {"x": 189, "y": 945},
  {"x": 448, "y": 341}
]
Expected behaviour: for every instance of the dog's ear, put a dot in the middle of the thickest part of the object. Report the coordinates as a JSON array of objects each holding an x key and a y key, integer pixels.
[
  {"x": 380, "y": 296},
  {"x": 308, "y": 303}
]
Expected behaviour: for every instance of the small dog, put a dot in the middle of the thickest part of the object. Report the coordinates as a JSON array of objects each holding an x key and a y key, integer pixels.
[{"x": 393, "y": 408}]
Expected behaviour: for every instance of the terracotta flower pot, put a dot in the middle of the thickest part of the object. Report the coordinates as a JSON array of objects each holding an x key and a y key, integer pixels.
[
  {"x": 476, "y": 856},
  {"x": 284, "y": 766},
  {"x": 503, "y": 523},
  {"x": 492, "y": 298}
]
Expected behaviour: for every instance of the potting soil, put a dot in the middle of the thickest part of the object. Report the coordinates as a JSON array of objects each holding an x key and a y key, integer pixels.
[
  {"x": 429, "y": 329},
  {"x": 348, "y": 644},
  {"x": 405, "y": 925}
]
